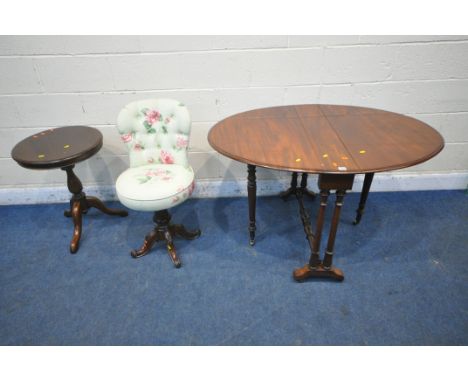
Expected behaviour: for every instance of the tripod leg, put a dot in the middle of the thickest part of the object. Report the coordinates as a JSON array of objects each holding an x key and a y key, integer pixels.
[
  {"x": 171, "y": 249},
  {"x": 150, "y": 239},
  {"x": 76, "y": 215}
]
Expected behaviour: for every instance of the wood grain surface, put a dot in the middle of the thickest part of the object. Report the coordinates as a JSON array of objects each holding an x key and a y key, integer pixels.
[
  {"x": 325, "y": 139},
  {"x": 59, "y": 147}
]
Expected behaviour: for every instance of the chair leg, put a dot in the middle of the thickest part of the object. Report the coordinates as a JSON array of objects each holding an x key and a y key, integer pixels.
[
  {"x": 150, "y": 239},
  {"x": 165, "y": 231},
  {"x": 171, "y": 249}
]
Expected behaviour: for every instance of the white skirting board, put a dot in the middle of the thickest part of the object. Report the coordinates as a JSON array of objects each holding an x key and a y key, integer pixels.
[{"x": 231, "y": 188}]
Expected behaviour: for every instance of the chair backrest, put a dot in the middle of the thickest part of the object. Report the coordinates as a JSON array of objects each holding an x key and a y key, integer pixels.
[{"x": 155, "y": 131}]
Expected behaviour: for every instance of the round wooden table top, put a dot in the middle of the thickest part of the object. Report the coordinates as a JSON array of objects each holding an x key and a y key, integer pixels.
[
  {"x": 59, "y": 147},
  {"x": 325, "y": 139}
]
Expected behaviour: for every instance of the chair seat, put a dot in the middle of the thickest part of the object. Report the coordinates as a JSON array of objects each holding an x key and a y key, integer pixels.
[{"x": 155, "y": 187}]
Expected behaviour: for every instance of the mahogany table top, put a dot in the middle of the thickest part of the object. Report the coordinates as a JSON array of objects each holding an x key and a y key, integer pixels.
[
  {"x": 59, "y": 147},
  {"x": 325, "y": 139}
]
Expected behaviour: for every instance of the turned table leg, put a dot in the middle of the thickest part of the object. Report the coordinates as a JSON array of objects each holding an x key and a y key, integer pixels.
[
  {"x": 364, "y": 193},
  {"x": 316, "y": 267},
  {"x": 328, "y": 258},
  {"x": 80, "y": 204},
  {"x": 252, "y": 195},
  {"x": 313, "y": 239},
  {"x": 314, "y": 260}
]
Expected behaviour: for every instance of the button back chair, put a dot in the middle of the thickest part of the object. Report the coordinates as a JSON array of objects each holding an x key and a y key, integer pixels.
[{"x": 156, "y": 133}]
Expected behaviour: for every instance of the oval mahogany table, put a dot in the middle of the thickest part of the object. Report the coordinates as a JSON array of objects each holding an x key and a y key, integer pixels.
[
  {"x": 333, "y": 141},
  {"x": 63, "y": 147}
]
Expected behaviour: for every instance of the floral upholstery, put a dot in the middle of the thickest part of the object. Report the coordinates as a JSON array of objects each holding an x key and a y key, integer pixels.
[
  {"x": 156, "y": 133},
  {"x": 155, "y": 187}
]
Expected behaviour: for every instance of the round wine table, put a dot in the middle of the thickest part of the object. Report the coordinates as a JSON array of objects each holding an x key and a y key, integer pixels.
[
  {"x": 63, "y": 147},
  {"x": 335, "y": 142}
]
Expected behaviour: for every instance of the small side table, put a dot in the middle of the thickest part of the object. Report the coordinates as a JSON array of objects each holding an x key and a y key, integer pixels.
[{"x": 63, "y": 147}]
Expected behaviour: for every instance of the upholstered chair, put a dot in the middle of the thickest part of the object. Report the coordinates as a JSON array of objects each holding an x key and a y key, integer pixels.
[{"x": 156, "y": 133}]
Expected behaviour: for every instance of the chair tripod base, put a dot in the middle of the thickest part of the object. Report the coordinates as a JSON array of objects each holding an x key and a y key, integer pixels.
[
  {"x": 306, "y": 272},
  {"x": 165, "y": 231}
]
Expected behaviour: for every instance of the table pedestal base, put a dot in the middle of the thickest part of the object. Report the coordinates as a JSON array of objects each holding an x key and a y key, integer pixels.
[
  {"x": 307, "y": 271},
  {"x": 316, "y": 266},
  {"x": 80, "y": 204},
  {"x": 292, "y": 190}
]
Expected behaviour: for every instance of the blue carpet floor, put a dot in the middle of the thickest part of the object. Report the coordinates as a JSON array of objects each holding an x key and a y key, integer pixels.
[{"x": 405, "y": 269}]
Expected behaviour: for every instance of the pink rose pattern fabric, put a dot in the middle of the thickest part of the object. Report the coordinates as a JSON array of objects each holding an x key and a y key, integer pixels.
[
  {"x": 154, "y": 123},
  {"x": 152, "y": 116},
  {"x": 186, "y": 194},
  {"x": 181, "y": 143},
  {"x": 158, "y": 140},
  {"x": 191, "y": 188},
  {"x": 156, "y": 174},
  {"x": 165, "y": 175},
  {"x": 166, "y": 157},
  {"x": 126, "y": 137}
]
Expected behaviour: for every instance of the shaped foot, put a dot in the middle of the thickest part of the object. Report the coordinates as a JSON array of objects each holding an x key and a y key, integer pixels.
[
  {"x": 171, "y": 249},
  {"x": 252, "y": 236},
  {"x": 150, "y": 239},
  {"x": 358, "y": 217},
  {"x": 306, "y": 272}
]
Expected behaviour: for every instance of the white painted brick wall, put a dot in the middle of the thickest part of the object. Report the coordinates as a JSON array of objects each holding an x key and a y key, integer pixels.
[
  {"x": 48, "y": 81},
  {"x": 18, "y": 75}
]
